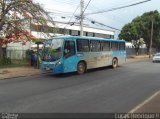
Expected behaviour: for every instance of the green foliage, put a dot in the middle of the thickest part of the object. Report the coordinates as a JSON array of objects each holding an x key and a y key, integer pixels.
[
  {"x": 28, "y": 54},
  {"x": 129, "y": 32},
  {"x": 137, "y": 44},
  {"x": 5, "y": 61},
  {"x": 140, "y": 27}
]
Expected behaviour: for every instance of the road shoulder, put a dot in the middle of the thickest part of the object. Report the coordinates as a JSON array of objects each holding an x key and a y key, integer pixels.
[{"x": 150, "y": 105}]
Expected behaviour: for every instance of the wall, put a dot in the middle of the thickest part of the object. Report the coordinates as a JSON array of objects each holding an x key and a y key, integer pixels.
[
  {"x": 131, "y": 51},
  {"x": 17, "y": 50}
]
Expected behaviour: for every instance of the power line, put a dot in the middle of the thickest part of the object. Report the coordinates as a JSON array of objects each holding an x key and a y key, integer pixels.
[
  {"x": 72, "y": 15},
  {"x": 112, "y": 9},
  {"x": 65, "y": 2},
  {"x": 112, "y": 17},
  {"x": 93, "y": 22},
  {"x": 58, "y": 11},
  {"x": 86, "y": 6}
]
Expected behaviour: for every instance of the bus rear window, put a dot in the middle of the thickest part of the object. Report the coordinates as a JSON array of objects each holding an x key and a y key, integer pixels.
[{"x": 82, "y": 45}]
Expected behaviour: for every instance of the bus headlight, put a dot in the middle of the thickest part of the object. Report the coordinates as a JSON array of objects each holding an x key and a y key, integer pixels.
[{"x": 58, "y": 63}]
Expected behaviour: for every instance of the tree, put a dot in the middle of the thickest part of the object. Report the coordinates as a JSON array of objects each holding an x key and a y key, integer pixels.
[
  {"x": 15, "y": 14},
  {"x": 142, "y": 29},
  {"x": 145, "y": 27},
  {"x": 137, "y": 44},
  {"x": 130, "y": 33}
]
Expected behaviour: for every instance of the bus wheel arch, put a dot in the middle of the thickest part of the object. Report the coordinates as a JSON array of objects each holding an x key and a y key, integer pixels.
[
  {"x": 115, "y": 62},
  {"x": 81, "y": 67}
]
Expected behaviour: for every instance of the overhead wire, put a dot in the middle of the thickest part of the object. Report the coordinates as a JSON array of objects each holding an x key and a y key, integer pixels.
[
  {"x": 102, "y": 11},
  {"x": 93, "y": 21},
  {"x": 86, "y": 6},
  {"x": 64, "y": 2},
  {"x": 117, "y": 8},
  {"x": 75, "y": 12},
  {"x": 72, "y": 15}
]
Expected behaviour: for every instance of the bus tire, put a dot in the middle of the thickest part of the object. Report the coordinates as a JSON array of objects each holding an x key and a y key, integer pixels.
[
  {"x": 81, "y": 68},
  {"x": 115, "y": 63}
]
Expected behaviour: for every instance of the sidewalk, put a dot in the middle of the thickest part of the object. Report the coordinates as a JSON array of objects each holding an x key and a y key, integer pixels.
[
  {"x": 137, "y": 58},
  {"x": 8, "y": 73}
]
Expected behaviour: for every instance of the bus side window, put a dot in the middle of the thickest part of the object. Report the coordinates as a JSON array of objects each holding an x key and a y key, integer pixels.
[
  {"x": 121, "y": 46},
  {"x": 95, "y": 46},
  {"x": 82, "y": 45},
  {"x": 114, "y": 45},
  {"x": 105, "y": 45},
  {"x": 69, "y": 49}
]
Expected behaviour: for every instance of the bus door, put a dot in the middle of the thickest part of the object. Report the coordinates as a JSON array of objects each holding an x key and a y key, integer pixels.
[{"x": 70, "y": 57}]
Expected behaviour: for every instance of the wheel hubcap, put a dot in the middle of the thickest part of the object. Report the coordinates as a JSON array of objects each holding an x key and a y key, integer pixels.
[
  {"x": 81, "y": 68},
  {"x": 114, "y": 63}
]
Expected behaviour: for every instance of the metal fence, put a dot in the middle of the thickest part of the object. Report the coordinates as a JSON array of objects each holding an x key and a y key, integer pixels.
[
  {"x": 142, "y": 51},
  {"x": 16, "y": 54},
  {"x": 131, "y": 51}
]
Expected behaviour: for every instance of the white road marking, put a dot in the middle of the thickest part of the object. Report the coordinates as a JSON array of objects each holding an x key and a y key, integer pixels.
[{"x": 145, "y": 102}]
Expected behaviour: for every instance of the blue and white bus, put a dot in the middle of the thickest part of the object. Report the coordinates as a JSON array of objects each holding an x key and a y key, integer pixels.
[{"x": 74, "y": 53}]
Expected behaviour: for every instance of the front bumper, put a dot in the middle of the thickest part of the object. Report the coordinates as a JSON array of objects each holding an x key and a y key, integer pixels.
[
  {"x": 52, "y": 68},
  {"x": 156, "y": 60}
]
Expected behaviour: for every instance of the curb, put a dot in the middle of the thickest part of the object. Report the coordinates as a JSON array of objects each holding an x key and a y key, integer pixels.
[
  {"x": 21, "y": 76},
  {"x": 130, "y": 60}
]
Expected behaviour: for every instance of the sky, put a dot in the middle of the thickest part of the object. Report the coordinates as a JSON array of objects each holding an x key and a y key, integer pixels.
[{"x": 62, "y": 10}]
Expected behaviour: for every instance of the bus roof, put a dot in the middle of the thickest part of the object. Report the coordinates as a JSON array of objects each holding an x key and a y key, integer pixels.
[{"x": 87, "y": 37}]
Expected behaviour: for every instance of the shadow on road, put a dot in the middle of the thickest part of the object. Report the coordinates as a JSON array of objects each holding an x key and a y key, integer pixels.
[{"x": 75, "y": 74}]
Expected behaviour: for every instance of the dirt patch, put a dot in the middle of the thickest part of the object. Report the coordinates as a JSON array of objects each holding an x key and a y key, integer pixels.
[
  {"x": 5, "y": 72},
  {"x": 138, "y": 56}
]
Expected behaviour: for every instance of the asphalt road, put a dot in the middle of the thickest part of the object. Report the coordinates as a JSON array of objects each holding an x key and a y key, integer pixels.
[{"x": 100, "y": 90}]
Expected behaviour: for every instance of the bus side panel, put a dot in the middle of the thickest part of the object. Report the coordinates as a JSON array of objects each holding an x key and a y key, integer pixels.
[
  {"x": 106, "y": 58},
  {"x": 121, "y": 55},
  {"x": 97, "y": 59},
  {"x": 91, "y": 60}
]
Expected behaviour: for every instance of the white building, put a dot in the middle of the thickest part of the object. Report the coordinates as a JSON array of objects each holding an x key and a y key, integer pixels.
[{"x": 62, "y": 28}]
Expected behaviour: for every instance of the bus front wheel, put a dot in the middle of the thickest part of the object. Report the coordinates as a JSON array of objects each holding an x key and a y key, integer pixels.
[
  {"x": 115, "y": 63},
  {"x": 81, "y": 68}
]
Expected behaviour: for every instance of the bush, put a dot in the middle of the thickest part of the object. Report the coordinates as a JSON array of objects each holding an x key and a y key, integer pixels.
[
  {"x": 5, "y": 61},
  {"x": 28, "y": 54}
]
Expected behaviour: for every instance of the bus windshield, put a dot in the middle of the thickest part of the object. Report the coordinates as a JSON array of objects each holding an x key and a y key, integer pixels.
[{"x": 52, "y": 50}]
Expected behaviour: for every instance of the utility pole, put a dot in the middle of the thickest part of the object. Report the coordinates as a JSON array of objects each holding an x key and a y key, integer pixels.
[
  {"x": 81, "y": 17},
  {"x": 150, "y": 47}
]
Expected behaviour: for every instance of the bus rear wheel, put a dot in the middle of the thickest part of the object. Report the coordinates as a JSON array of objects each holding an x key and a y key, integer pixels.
[
  {"x": 115, "y": 63},
  {"x": 81, "y": 68}
]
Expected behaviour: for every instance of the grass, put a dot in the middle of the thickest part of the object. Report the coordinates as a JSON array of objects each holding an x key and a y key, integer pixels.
[{"x": 16, "y": 63}]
